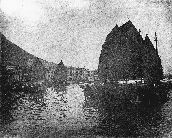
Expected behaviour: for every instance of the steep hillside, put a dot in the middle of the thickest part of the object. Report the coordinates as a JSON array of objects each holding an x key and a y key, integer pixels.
[{"x": 19, "y": 63}]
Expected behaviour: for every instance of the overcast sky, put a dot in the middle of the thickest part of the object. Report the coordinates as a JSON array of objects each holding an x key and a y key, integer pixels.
[{"x": 74, "y": 30}]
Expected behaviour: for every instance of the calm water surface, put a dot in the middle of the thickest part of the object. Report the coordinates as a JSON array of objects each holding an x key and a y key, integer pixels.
[
  {"x": 62, "y": 113},
  {"x": 54, "y": 111}
]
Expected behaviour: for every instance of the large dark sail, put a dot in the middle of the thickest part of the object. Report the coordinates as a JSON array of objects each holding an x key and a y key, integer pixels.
[
  {"x": 153, "y": 71},
  {"x": 125, "y": 55}
]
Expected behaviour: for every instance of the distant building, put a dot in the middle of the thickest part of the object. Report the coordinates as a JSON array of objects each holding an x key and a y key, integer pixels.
[
  {"x": 71, "y": 74},
  {"x": 76, "y": 74}
]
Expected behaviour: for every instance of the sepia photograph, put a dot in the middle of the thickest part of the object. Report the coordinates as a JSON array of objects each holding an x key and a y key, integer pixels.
[{"x": 85, "y": 69}]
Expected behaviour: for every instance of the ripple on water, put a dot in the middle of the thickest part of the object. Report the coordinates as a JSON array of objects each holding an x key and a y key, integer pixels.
[{"x": 61, "y": 110}]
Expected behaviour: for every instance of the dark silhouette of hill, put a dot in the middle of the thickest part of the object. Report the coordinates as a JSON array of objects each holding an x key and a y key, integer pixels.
[
  {"x": 13, "y": 54},
  {"x": 21, "y": 73}
]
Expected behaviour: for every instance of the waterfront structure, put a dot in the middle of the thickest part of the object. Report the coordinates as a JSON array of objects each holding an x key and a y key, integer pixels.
[{"x": 76, "y": 75}]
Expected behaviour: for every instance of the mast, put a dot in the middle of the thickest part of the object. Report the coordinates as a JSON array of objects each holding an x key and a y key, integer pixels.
[{"x": 156, "y": 41}]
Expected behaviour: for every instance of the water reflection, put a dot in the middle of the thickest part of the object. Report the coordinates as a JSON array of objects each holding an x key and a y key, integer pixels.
[
  {"x": 116, "y": 112},
  {"x": 61, "y": 109}
]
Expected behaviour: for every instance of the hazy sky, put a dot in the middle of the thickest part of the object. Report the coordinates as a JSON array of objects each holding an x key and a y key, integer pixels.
[{"x": 74, "y": 30}]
